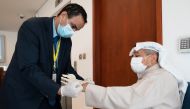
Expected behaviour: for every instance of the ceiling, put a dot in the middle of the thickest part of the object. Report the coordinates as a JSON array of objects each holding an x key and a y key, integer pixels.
[{"x": 10, "y": 11}]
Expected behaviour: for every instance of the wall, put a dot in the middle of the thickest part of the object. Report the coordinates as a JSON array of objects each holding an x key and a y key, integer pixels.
[
  {"x": 82, "y": 43},
  {"x": 10, "y": 41},
  {"x": 176, "y": 25}
]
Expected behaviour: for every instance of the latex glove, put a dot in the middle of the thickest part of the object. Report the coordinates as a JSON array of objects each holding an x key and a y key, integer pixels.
[
  {"x": 65, "y": 79},
  {"x": 72, "y": 89}
]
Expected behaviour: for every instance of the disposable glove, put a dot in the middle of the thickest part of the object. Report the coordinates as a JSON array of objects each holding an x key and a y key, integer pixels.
[
  {"x": 65, "y": 79},
  {"x": 72, "y": 89}
]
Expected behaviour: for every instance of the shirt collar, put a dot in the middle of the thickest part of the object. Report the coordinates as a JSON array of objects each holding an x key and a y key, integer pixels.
[
  {"x": 149, "y": 70},
  {"x": 154, "y": 67},
  {"x": 54, "y": 29}
]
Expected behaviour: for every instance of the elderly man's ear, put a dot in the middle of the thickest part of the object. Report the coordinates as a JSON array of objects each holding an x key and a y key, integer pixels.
[
  {"x": 150, "y": 60},
  {"x": 153, "y": 60}
]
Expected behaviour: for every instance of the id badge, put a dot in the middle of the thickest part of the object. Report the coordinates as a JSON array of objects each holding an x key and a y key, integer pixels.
[{"x": 54, "y": 77}]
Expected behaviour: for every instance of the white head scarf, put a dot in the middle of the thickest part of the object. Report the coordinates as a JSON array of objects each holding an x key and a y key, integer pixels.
[{"x": 182, "y": 84}]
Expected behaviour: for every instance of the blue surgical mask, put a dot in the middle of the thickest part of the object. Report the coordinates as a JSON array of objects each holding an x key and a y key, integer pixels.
[{"x": 65, "y": 31}]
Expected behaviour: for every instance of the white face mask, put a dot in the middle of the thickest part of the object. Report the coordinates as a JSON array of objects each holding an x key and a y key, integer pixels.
[{"x": 137, "y": 66}]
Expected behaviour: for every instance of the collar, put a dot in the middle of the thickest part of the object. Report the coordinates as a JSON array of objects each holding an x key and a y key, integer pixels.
[
  {"x": 154, "y": 67},
  {"x": 54, "y": 29},
  {"x": 149, "y": 70}
]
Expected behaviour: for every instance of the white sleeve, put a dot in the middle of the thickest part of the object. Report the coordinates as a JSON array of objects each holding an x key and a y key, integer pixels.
[
  {"x": 144, "y": 93},
  {"x": 108, "y": 98}
]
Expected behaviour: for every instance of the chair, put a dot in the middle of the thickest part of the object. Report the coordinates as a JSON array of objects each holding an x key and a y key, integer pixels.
[{"x": 186, "y": 101}]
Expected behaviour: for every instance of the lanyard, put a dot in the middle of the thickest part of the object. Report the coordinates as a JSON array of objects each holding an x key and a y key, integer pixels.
[{"x": 56, "y": 54}]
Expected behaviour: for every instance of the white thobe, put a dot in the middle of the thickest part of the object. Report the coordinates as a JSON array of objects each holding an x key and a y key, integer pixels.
[{"x": 156, "y": 89}]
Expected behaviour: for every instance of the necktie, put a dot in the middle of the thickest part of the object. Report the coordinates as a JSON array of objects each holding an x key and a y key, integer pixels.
[{"x": 55, "y": 40}]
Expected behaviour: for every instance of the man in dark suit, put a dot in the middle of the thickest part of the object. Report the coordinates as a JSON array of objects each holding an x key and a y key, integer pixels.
[{"x": 42, "y": 55}]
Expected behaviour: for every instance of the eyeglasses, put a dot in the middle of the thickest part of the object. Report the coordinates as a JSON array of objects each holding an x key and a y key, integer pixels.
[{"x": 74, "y": 27}]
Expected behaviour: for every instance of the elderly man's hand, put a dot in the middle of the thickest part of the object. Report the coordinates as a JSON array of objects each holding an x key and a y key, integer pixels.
[
  {"x": 88, "y": 80},
  {"x": 84, "y": 85}
]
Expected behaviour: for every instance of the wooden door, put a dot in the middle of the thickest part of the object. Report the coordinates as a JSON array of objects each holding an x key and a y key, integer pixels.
[{"x": 118, "y": 25}]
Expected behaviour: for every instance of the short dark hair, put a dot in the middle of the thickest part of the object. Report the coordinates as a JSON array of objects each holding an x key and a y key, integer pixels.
[{"x": 74, "y": 9}]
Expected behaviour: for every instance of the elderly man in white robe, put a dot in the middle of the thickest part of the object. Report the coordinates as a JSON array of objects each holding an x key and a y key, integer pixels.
[{"x": 158, "y": 85}]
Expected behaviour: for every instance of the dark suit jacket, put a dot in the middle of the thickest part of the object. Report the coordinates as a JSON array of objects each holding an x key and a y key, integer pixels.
[
  {"x": 28, "y": 78},
  {"x": 186, "y": 101}
]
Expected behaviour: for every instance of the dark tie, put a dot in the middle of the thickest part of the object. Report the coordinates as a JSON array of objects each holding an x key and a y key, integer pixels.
[{"x": 55, "y": 40}]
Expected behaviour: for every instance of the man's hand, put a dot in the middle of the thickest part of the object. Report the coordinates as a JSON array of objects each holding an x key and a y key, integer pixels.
[
  {"x": 72, "y": 89},
  {"x": 65, "y": 79}
]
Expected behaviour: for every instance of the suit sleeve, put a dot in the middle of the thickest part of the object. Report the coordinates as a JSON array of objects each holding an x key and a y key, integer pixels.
[
  {"x": 70, "y": 68},
  {"x": 27, "y": 51}
]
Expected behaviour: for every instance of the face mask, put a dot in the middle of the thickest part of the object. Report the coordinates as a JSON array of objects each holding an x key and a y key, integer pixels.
[
  {"x": 65, "y": 31},
  {"x": 137, "y": 66}
]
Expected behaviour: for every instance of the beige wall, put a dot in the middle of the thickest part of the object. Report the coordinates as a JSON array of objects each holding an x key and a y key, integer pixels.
[
  {"x": 10, "y": 41},
  {"x": 82, "y": 43}
]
